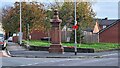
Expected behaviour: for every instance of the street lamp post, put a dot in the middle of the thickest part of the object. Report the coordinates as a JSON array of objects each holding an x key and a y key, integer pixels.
[
  {"x": 20, "y": 34},
  {"x": 75, "y": 46}
]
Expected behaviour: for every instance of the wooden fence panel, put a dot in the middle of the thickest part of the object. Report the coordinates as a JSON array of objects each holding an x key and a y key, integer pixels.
[{"x": 89, "y": 37}]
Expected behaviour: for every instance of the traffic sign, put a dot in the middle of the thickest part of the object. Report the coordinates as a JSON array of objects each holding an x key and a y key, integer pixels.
[{"x": 75, "y": 27}]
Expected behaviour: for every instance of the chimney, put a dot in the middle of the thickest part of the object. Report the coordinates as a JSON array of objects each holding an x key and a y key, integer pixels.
[
  {"x": 106, "y": 18},
  {"x": 106, "y": 21}
]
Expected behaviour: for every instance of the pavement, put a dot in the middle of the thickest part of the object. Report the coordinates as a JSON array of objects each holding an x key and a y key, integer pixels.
[
  {"x": 3, "y": 54},
  {"x": 16, "y": 50}
]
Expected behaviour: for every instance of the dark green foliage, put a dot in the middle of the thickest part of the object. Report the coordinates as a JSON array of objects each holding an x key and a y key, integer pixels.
[{"x": 79, "y": 35}]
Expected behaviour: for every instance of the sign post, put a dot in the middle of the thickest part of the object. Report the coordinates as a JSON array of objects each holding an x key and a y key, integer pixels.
[
  {"x": 20, "y": 34},
  {"x": 75, "y": 46}
]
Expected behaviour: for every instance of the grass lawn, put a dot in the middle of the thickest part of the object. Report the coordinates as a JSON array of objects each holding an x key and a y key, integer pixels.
[{"x": 96, "y": 46}]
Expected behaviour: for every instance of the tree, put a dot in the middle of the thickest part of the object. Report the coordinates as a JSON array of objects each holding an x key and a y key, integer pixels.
[
  {"x": 7, "y": 23},
  {"x": 33, "y": 13},
  {"x": 85, "y": 15}
]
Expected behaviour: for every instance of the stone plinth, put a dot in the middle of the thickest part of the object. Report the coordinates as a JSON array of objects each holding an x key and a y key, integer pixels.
[{"x": 56, "y": 46}]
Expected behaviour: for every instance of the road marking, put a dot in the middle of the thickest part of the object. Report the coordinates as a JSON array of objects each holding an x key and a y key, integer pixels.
[
  {"x": 62, "y": 64},
  {"x": 110, "y": 54},
  {"x": 22, "y": 65},
  {"x": 44, "y": 61},
  {"x": 36, "y": 63},
  {"x": 9, "y": 52},
  {"x": 29, "y": 64},
  {"x": 60, "y": 60}
]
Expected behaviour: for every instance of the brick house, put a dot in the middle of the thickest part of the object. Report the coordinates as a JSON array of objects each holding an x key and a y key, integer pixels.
[
  {"x": 111, "y": 33},
  {"x": 107, "y": 30},
  {"x": 104, "y": 22}
]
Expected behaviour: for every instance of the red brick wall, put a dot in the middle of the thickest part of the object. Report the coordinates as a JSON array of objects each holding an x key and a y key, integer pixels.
[
  {"x": 15, "y": 39},
  {"x": 37, "y": 35},
  {"x": 110, "y": 35}
]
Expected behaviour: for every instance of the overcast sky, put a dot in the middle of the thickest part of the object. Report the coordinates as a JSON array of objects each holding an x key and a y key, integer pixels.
[{"x": 102, "y": 8}]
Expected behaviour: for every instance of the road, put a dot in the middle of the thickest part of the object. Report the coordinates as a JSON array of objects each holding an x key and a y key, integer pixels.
[
  {"x": 59, "y": 62},
  {"x": 2, "y": 54},
  {"x": 1, "y": 58},
  {"x": 109, "y": 58}
]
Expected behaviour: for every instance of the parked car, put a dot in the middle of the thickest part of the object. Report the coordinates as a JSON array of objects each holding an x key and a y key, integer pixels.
[
  {"x": 10, "y": 39},
  {"x": 2, "y": 42}
]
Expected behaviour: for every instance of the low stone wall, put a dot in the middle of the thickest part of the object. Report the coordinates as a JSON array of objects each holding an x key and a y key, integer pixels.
[
  {"x": 80, "y": 50},
  {"x": 66, "y": 49}
]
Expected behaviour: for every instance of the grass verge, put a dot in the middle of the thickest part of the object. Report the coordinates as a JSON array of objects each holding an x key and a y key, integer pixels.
[{"x": 95, "y": 46}]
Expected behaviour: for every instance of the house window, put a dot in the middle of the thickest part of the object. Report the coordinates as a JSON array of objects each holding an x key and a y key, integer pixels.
[{"x": 104, "y": 27}]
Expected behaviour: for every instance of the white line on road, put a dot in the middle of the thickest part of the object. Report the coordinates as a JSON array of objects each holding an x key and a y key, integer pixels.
[
  {"x": 36, "y": 63},
  {"x": 22, "y": 65},
  {"x": 29, "y": 64},
  {"x": 110, "y": 54},
  {"x": 9, "y": 52}
]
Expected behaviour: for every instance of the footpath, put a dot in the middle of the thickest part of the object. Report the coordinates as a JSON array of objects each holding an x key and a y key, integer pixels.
[
  {"x": 15, "y": 50},
  {"x": 3, "y": 54}
]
